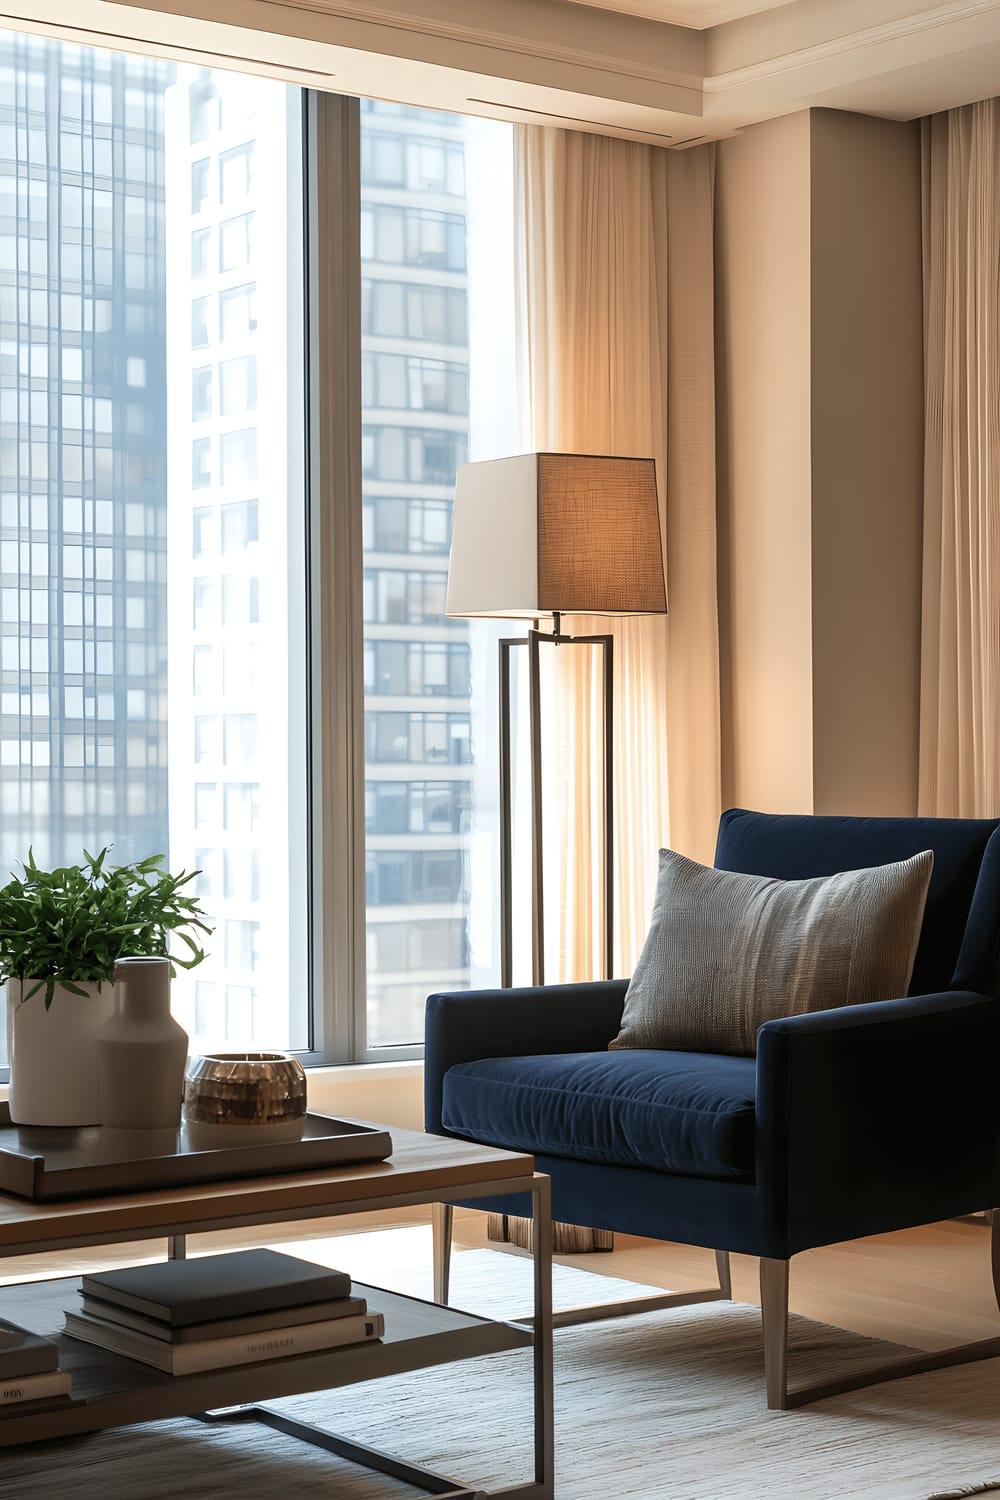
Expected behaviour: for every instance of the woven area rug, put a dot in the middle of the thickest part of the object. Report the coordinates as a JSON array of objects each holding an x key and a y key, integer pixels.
[{"x": 668, "y": 1404}]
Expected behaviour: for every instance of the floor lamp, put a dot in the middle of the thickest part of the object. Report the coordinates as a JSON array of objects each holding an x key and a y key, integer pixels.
[
  {"x": 548, "y": 535},
  {"x": 553, "y": 534}
]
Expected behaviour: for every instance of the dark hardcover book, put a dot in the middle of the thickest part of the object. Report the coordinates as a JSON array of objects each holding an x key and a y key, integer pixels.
[
  {"x": 220, "y": 1328},
  {"x": 24, "y": 1353},
  {"x": 183, "y": 1292}
]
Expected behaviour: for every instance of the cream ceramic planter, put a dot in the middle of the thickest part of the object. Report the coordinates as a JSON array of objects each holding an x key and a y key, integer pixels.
[{"x": 53, "y": 1053}]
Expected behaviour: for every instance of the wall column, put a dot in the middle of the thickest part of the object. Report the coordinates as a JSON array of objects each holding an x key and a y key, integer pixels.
[{"x": 820, "y": 452}]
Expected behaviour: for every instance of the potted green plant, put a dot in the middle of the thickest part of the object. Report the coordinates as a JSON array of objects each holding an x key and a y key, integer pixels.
[{"x": 61, "y": 933}]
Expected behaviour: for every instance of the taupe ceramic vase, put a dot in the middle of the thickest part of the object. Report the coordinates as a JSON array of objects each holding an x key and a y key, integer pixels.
[{"x": 141, "y": 1051}]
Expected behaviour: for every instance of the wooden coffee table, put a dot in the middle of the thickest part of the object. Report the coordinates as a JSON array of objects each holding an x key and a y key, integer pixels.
[{"x": 112, "y": 1391}]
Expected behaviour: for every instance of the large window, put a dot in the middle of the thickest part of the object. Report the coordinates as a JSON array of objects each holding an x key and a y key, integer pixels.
[
  {"x": 162, "y": 510},
  {"x": 141, "y": 489}
]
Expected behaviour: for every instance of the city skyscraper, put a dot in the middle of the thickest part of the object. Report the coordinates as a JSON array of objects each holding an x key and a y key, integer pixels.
[
  {"x": 236, "y": 547},
  {"x": 83, "y": 707},
  {"x": 415, "y": 411}
]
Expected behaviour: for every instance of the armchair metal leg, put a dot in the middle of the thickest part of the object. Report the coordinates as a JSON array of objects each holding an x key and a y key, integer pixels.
[
  {"x": 442, "y": 1217},
  {"x": 774, "y": 1310},
  {"x": 774, "y": 1313}
]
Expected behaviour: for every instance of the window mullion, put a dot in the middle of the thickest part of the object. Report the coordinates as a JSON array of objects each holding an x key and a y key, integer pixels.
[{"x": 337, "y": 677}]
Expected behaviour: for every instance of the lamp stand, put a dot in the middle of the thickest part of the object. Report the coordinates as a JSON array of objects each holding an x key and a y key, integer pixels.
[
  {"x": 534, "y": 641},
  {"x": 567, "y": 1239}
]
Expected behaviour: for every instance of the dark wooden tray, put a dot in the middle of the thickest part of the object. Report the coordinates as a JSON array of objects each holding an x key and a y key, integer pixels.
[{"x": 49, "y": 1162}]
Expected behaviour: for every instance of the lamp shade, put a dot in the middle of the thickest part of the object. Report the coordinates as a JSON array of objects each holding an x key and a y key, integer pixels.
[{"x": 547, "y": 533}]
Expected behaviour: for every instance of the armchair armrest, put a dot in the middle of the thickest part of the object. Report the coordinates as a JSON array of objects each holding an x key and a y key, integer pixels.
[
  {"x": 471, "y": 1024},
  {"x": 875, "y": 1117}
]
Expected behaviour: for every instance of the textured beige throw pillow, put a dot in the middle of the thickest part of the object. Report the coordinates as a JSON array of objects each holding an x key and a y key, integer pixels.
[{"x": 727, "y": 952}]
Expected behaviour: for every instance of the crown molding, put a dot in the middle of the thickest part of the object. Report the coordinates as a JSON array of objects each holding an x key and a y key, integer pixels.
[
  {"x": 906, "y": 28},
  {"x": 145, "y": 46},
  {"x": 463, "y": 33}
]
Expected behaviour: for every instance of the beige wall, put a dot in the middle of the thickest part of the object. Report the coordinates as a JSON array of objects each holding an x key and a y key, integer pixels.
[
  {"x": 389, "y": 1093},
  {"x": 763, "y": 289},
  {"x": 819, "y": 369},
  {"x": 867, "y": 451}
]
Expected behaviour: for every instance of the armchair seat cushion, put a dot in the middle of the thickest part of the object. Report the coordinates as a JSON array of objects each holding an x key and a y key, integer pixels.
[{"x": 690, "y": 1113}]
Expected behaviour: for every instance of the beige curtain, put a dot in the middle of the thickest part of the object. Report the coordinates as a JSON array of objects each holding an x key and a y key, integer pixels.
[
  {"x": 960, "y": 656},
  {"x": 616, "y": 356}
]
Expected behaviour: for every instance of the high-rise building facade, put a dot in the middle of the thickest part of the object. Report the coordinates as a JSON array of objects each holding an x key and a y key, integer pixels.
[
  {"x": 415, "y": 399},
  {"x": 83, "y": 500},
  {"x": 236, "y": 547}
]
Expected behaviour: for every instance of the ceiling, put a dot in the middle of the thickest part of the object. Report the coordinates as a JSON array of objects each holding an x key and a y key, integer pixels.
[{"x": 671, "y": 72}]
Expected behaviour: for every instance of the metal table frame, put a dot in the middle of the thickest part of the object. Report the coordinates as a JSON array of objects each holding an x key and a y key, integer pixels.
[{"x": 145, "y": 1406}]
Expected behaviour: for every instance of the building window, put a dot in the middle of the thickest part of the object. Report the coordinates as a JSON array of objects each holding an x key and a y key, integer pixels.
[
  {"x": 238, "y": 384},
  {"x": 393, "y": 596},
  {"x": 383, "y": 160},
  {"x": 201, "y": 393},
  {"x": 236, "y": 243},
  {"x": 417, "y": 669},
  {"x": 241, "y": 807},
  {"x": 239, "y": 740},
  {"x": 239, "y": 458},
  {"x": 415, "y": 383},
  {"x": 199, "y": 184},
  {"x": 423, "y": 738},
  {"x": 239, "y": 526},
  {"x": 203, "y": 538},
  {"x": 417, "y": 807},
  {"x": 240, "y": 600},
  {"x": 200, "y": 330},
  {"x": 201, "y": 243},
  {"x": 395, "y": 309},
  {"x": 397, "y": 525},
  {"x": 236, "y": 174},
  {"x": 204, "y": 111},
  {"x": 201, "y": 463},
  {"x": 237, "y": 313},
  {"x": 242, "y": 945}
]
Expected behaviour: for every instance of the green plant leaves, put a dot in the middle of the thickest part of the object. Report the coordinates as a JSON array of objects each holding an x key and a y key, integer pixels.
[{"x": 74, "y": 923}]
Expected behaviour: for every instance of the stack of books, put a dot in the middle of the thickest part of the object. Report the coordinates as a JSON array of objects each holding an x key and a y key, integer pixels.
[
  {"x": 185, "y": 1316},
  {"x": 29, "y": 1368}
]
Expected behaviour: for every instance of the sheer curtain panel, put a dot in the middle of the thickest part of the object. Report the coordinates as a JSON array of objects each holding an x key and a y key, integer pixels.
[
  {"x": 616, "y": 357},
  {"x": 960, "y": 648}
]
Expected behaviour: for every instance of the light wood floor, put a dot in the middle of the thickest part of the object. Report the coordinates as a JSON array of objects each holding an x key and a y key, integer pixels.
[{"x": 926, "y": 1287}]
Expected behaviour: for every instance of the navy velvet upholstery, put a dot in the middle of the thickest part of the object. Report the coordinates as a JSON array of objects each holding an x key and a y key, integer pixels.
[
  {"x": 864, "y": 1119},
  {"x": 684, "y": 1112}
]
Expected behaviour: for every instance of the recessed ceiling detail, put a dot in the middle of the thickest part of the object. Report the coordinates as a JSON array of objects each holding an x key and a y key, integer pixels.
[
  {"x": 670, "y": 72},
  {"x": 699, "y": 14}
]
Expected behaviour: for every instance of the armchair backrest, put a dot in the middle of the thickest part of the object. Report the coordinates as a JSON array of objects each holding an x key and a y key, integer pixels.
[{"x": 960, "y": 939}]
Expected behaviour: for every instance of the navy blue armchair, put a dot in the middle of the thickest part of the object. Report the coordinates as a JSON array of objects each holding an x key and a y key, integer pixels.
[{"x": 847, "y": 1122}]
